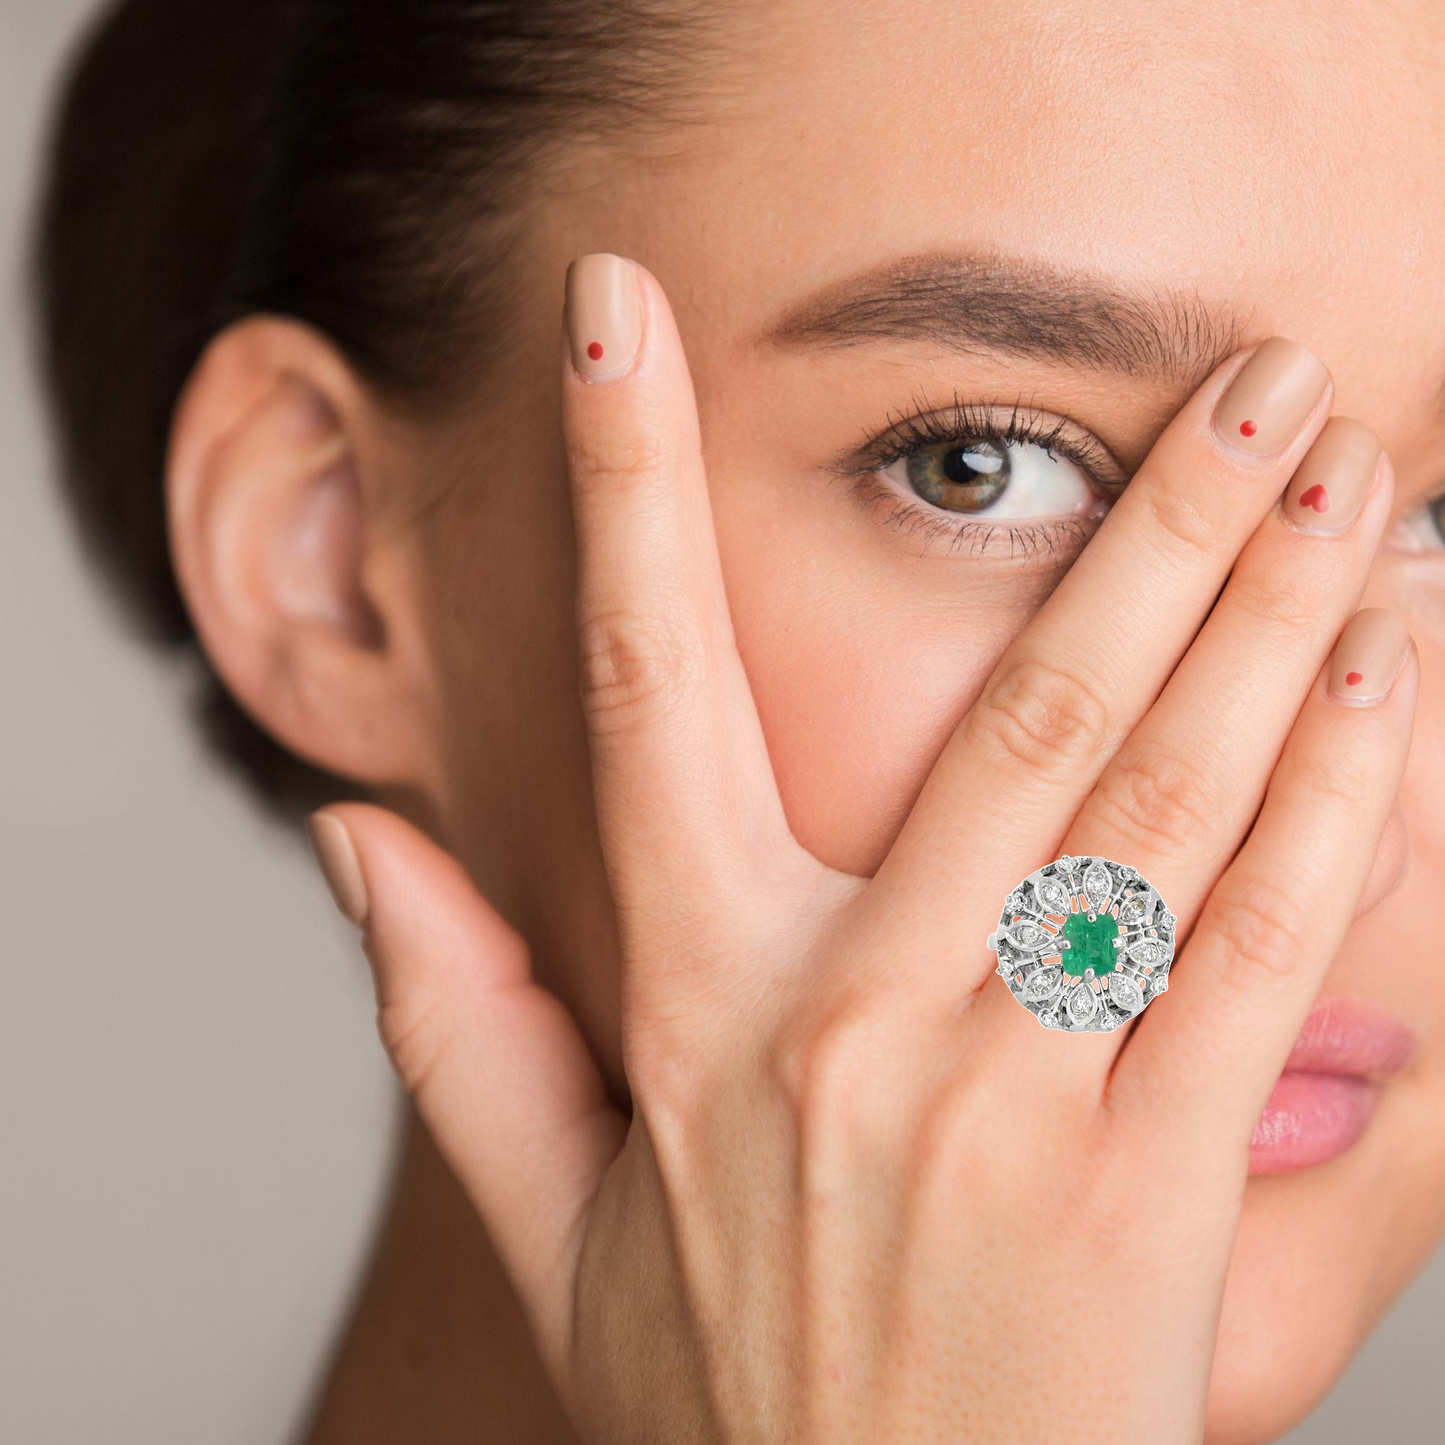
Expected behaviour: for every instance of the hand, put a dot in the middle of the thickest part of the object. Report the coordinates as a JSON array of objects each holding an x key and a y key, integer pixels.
[{"x": 862, "y": 1195}]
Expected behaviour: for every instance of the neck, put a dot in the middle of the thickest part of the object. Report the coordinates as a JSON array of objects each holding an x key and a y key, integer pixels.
[{"x": 437, "y": 1350}]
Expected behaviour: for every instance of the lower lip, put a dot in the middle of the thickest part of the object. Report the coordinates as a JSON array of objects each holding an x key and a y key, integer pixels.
[{"x": 1310, "y": 1119}]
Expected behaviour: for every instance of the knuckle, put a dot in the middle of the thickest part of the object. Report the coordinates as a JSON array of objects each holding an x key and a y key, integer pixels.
[
  {"x": 1180, "y": 521},
  {"x": 959, "y": 1135},
  {"x": 1040, "y": 715},
  {"x": 666, "y": 1080},
  {"x": 1107, "y": 1194},
  {"x": 1282, "y": 603},
  {"x": 1114, "y": 1195},
  {"x": 1330, "y": 774},
  {"x": 1260, "y": 928},
  {"x": 632, "y": 666},
  {"x": 826, "y": 1066},
  {"x": 617, "y": 464},
  {"x": 1155, "y": 797},
  {"x": 415, "y": 1038},
  {"x": 952, "y": 1138},
  {"x": 660, "y": 1054},
  {"x": 810, "y": 1054}
]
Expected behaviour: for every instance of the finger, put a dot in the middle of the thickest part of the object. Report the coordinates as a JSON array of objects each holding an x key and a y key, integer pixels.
[
  {"x": 687, "y": 806},
  {"x": 1205, "y": 1057},
  {"x": 1079, "y": 677},
  {"x": 1182, "y": 790},
  {"x": 1184, "y": 787},
  {"x": 500, "y": 1073}
]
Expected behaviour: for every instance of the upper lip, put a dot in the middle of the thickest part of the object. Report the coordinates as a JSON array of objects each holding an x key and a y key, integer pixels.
[{"x": 1343, "y": 1035}]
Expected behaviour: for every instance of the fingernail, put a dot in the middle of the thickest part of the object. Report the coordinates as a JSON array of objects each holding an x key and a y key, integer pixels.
[
  {"x": 336, "y": 854},
  {"x": 604, "y": 315},
  {"x": 1329, "y": 488},
  {"x": 1368, "y": 656},
  {"x": 1270, "y": 399}
]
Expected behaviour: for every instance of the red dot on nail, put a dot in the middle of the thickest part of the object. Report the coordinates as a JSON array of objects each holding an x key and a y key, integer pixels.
[
  {"x": 595, "y": 351},
  {"x": 1247, "y": 428},
  {"x": 1354, "y": 679}
]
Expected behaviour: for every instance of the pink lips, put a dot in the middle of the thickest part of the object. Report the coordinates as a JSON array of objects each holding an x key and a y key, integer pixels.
[{"x": 1326, "y": 1095}]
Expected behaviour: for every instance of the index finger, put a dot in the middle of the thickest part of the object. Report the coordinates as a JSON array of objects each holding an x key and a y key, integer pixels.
[{"x": 691, "y": 822}]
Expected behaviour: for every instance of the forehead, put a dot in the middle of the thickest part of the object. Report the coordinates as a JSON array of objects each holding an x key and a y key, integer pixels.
[{"x": 1287, "y": 160}]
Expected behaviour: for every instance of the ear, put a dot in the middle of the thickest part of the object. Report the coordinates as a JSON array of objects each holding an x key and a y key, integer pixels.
[{"x": 273, "y": 498}]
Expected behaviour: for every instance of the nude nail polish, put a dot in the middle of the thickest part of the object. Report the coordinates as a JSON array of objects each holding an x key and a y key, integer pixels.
[
  {"x": 1368, "y": 656},
  {"x": 604, "y": 315},
  {"x": 336, "y": 855},
  {"x": 1329, "y": 487},
  {"x": 1264, "y": 407}
]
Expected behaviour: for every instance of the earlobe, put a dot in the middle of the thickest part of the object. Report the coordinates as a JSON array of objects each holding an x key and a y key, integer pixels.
[{"x": 268, "y": 516}]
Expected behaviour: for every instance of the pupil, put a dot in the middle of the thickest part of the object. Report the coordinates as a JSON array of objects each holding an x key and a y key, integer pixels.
[{"x": 978, "y": 461}]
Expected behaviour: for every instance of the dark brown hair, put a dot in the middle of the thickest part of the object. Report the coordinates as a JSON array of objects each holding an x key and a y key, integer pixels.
[{"x": 368, "y": 167}]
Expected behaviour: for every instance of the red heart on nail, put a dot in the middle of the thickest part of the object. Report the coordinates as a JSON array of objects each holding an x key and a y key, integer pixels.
[{"x": 1315, "y": 497}]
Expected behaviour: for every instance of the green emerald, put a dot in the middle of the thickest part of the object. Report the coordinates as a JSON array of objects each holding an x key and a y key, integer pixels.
[{"x": 1091, "y": 944}]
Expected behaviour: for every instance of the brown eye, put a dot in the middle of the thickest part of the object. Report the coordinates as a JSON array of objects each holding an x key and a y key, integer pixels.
[
  {"x": 986, "y": 474},
  {"x": 966, "y": 476}
]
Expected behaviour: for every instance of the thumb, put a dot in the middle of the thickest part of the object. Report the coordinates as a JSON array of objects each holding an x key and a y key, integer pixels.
[{"x": 500, "y": 1073}]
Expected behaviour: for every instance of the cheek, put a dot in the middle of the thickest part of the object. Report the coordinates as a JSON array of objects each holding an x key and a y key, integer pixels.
[
  {"x": 1319, "y": 1256},
  {"x": 858, "y": 688},
  {"x": 1300, "y": 1292}
]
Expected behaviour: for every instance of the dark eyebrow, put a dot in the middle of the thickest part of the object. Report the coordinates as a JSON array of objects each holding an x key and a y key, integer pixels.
[{"x": 1019, "y": 307}]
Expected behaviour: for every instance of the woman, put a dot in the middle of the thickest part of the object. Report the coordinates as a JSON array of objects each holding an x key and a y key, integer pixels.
[{"x": 976, "y": 434}]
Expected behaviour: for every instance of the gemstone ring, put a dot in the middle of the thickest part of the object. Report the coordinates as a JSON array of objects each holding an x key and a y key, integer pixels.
[{"x": 1084, "y": 944}]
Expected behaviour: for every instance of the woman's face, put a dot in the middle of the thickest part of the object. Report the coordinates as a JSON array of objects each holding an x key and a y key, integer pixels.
[{"x": 1074, "y": 209}]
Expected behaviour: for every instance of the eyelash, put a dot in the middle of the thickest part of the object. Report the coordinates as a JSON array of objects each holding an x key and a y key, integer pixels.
[{"x": 958, "y": 422}]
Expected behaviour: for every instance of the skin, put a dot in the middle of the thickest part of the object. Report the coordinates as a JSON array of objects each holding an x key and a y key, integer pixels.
[{"x": 396, "y": 601}]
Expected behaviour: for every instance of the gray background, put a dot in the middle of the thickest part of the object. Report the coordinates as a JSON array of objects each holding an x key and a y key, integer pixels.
[{"x": 196, "y": 1121}]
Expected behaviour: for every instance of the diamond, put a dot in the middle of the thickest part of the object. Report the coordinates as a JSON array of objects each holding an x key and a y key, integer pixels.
[
  {"x": 1148, "y": 951},
  {"x": 1097, "y": 884},
  {"x": 1027, "y": 935},
  {"x": 1044, "y": 984},
  {"x": 1053, "y": 895},
  {"x": 1082, "y": 1003},
  {"x": 1133, "y": 910},
  {"x": 1125, "y": 992}
]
